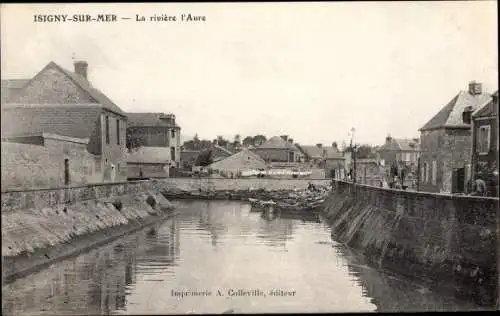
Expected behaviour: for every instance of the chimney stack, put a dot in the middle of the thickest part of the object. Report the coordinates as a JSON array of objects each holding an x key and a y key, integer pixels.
[
  {"x": 285, "y": 137},
  {"x": 81, "y": 67},
  {"x": 290, "y": 140},
  {"x": 319, "y": 145},
  {"x": 475, "y": 88}
]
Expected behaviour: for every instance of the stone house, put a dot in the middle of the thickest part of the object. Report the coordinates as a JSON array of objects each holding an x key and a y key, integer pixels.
[
  {"x": 156, "y": 130},
  {"x": 485, "y": 143},
  {"x": 403, "y": 154},
  {"x": 46, "y": 161},
  {"x": 63, "y": 102},
  {"x": 446, "y": 144},
  {"x": 148, "y": 162},
  {"x": 279, "y": 149},
  {"x": 241, "y": 163}
]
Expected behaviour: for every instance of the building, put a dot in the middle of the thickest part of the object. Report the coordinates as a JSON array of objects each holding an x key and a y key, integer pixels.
[
  {"x": 149, "y": 162},
  {"x": 403, "y": 151},
  {"x": 369, "y": 171},
  {"x": 279, "y": 149},
  {"x": 401, "y": 156},
  {"x": 242, "y": 163},
  {"x": 485, "y": 144},
  {"x": 335, "y": 162},
  {"x": 189, "y": 157},
  {"x": 46, "y": 161},
  {"x": 155, "y": 130},
  {"x": 58, "y": 101},
  {"x": 446, "y": 144},
  {"x": 314, "y": 154}
]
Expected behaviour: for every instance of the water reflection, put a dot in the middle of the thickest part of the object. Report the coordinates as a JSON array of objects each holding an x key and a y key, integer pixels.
[
  {"x": 224, "y": 246},
  {"x": 393, "y": 293}
]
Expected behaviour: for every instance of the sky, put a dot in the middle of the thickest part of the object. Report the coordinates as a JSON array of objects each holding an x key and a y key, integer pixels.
[{"x": 308, "y": 70}]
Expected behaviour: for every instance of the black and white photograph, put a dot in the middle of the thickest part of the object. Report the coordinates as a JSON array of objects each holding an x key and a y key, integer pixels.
[{"x": 249, "y": 157}]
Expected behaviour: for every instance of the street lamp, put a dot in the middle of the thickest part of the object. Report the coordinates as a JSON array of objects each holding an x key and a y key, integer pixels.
[{"x": 353, "y": 153}]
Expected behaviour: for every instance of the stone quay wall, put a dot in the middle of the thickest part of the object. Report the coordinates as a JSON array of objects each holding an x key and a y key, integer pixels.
[
  {"x": 40, "y": 227},
  {"x": 443, "y": 240}
]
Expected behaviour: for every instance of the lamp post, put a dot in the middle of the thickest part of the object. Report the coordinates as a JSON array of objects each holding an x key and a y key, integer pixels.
[{"x": 353, "y": 153}]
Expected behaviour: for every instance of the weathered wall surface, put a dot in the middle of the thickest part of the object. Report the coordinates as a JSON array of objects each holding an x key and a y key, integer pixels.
[
  {"x": 225, "y": 184},
  {"x": 444, "y": 239},
  {"x": 26, "y": 199},
  {"x": 31, "y": 166},
  {"x": 32, "y": 237}
]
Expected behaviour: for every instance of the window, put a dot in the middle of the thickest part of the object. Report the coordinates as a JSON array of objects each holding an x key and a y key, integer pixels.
[
  {"x": 172, "y": 153},
  {"x": 434, "y": 172},
  {"x": 483, "y": 139},
  {"x": 423, "y": 173},
  {"x": 107, "y": 129},
  {"x": 117, "y": 131},
  {"x": 172, "y": 132}
]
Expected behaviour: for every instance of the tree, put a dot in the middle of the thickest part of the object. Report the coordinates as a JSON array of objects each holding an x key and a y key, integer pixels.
[
  {"x": 132, "y": 141},
  {"x": 237, "y": 140},
  {"x": 259, "y": 140},
  {"x": 221, "y": 141},
  {"x": 205, "y": 158},
  {"x": 247, "y": 141}
]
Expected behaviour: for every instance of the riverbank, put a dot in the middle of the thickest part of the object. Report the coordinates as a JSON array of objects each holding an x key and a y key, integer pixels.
[
  {"x": 35, "y": 237},
  {"x": 448, "y": 241}
]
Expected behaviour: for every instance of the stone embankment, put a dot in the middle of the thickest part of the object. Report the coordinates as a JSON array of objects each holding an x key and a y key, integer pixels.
[
  {"x": 68, "y": 221},
  {"x": 445, "y": 241}
]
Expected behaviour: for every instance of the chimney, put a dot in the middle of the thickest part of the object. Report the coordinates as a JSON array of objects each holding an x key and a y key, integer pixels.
[
  {"x": 334, "y": 145},
  {"x": 475, "y": 88},
  {"x": 290, "y": 140},
  {"x": 81, "y": 68},
  {"x": 467, "y": 115},
  {"x": 319, "y": 145},
  {"x": 285, "y": 137}
]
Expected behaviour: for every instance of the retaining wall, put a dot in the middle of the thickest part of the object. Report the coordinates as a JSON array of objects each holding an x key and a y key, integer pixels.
[
  {"x": 49, "y": 225},
  {"x": 442, "y": 239},
  {"x": 225, "y": 184}
]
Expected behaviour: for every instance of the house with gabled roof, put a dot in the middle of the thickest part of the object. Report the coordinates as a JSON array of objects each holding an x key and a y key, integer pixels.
[
  {"x": 156, "y": 130},
  {"x": 446, "y": 143},
  {"x": 279, "y": 149},
  {"x": 63, "y": 102},
  {"x": 238, "y": 164},
  {"x": 485, "y": 144}
]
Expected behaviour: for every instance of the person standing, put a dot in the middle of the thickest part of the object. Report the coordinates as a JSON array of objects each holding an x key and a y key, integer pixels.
[{"x": 479, "y": 187}]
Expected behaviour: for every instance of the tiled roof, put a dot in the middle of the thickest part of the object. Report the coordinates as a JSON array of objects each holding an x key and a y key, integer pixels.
[
  {"x": 73, "y": 120},
  {"x": 490, "y": 108},
  {"x": 94, "y": 93},
  {"x": 224, "y": 150},
  {"x": 333, "y": 153},
  {"x": 146, "y": 119},
  {"x": 276, "y": 142},
  {"x": 401, "y": 144},
  {"x": 145, "y": 154},
  {"x": 451, "y": 114},
  {"x": 313, "y": 151},
  {"x": 243, "y": 160}
]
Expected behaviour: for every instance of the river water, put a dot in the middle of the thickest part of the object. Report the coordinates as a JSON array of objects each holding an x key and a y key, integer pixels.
[{"x": 219, "y": 257}]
